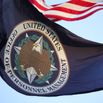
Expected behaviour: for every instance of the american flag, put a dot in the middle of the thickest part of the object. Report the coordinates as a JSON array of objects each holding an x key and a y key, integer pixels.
[{"x": 70, "y": 11}]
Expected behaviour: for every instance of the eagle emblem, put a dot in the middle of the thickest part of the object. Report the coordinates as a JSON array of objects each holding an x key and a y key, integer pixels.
[{"x": 34, "y": 59}]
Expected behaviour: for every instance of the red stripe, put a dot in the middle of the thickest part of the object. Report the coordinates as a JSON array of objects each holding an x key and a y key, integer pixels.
[
  {"x": 81, "y": 3},
  {"x": 91, "y": 8},
  {"x": 72, "y": 19},
  {"x": 66, "y": 10},
  {"x": 56, "y": 19},
  {"x": 38, "y": 5}
]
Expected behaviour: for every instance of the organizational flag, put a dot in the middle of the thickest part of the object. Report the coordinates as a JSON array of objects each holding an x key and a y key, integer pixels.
[
  {"x": 70, "y": 11},
  {"x": 42, "y": 58}
]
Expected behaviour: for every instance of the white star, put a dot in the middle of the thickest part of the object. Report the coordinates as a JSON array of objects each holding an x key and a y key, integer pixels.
[
  {"x": 31, "y": 74},
  {"x": 38, "y": 45},
  {"x": 52, "y": 51},
  {"x": 53, "y": 68},
  {"x": 27, "y": 35},
  {"x": 15, "y": 68},
  {"x": 17, "y": 49},
  {"x": 47, "y": 82}
]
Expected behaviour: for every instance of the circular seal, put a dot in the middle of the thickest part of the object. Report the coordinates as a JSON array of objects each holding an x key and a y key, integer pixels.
[{"x": 35, "y": 60}]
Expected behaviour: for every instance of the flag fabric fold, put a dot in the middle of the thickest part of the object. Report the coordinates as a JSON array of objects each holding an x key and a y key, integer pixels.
[
  {"x": 70, "y": 11},
  {"x": 41, "y": 58},
  {"x": 2, "y": 33}
]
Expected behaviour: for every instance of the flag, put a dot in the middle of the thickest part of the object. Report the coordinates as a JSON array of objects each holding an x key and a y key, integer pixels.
[
  {"x": 41, "y": 58},
  {"x": 70, "y": 11}
]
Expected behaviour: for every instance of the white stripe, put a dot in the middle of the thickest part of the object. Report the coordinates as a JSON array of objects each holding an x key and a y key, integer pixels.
[
  {"x": 68, "y": 6},
  {"x": 59, "y": 13},
  {"x": 52, "y": 19},
  {"x": 40, "y": 10},
  {"x": 72, "y": 6},
  {"x": 68, "y": 15},
  {"x": 65, "y": 5},
  {"x": 43, "y": 4},
  {"x": 91, "y": 1}
]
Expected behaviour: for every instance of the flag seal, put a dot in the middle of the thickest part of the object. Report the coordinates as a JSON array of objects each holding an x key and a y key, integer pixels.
[{"x": 35, "y": 60}]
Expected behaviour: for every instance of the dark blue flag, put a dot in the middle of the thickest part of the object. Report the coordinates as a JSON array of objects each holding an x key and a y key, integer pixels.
[{"x": 40, "y": 57}]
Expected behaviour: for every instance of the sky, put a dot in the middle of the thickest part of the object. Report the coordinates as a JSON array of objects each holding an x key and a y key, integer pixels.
[{"x": 89, "y": 28}]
